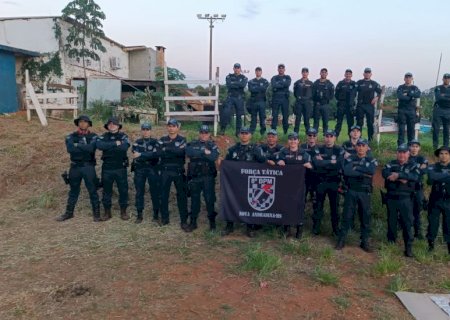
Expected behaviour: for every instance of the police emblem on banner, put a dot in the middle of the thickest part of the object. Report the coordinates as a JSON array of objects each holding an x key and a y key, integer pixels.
[{"x": 261, "y": 192}]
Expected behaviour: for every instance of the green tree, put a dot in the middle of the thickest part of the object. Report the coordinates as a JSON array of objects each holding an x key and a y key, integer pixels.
[{"x": 84, "y": 39}]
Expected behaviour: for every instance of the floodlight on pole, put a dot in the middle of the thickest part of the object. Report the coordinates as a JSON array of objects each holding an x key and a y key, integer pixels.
[{"x": 211, "y": 18}]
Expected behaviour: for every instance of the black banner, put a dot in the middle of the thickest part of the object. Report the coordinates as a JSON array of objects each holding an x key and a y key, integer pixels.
[{"x": 259, "y": 194}]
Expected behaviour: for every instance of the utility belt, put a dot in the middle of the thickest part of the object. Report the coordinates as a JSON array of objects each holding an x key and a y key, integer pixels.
[
  {"x": 116, "y": 164},
  {"x": 360, "y": 188},
  {"x": 321, "y": 178},
  {"x": 323, "y": 102},
  {"x": 399, "y": 196},
  {"x": 235, "y": 94},
  {"x": 201, "y": 168},
  {"x": 257, "y": 97},
  {"x": 172, "y": 168},
  {"x": 143, "y": 165},
  {"x": 304, "y": 99},
  {"x": 442, "y": 106},
  {"x": 440, "y": 191},
  {"x": 79, "y": 164}
]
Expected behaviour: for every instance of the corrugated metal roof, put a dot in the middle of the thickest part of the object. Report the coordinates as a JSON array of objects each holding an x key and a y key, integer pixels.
[{"x": 18, "y": 51}]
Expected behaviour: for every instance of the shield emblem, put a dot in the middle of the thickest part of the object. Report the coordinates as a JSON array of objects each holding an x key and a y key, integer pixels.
[{"x": 261, "y": 192}]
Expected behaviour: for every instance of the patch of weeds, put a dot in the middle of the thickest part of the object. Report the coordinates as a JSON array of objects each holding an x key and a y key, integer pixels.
[
  {"x": 302, "y": 248},
  {"x": 397, "y": 283},
  {"x": 388, "y": 262},
  {"x": 46, "y": 200},
  {"x": 212, "y": 238},
  {"x": 261, "y": 261},
  {"x": 421, "y": 254},
  {"x": 326, "y": 254},
  {"x": 324, "y": 277},
  {"x": 227, "y": 308},
  {"x": 342, "y": 302},
  {"x": 445, "y": 284},
  {"x": 269, "y": 232},
  {"x": 184, "y": 250}
]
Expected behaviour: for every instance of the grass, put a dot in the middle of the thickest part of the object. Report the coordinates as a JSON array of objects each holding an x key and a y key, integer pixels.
[
  {"x": 342, "y": 301},
  {"x": 445, "y": 284},
  {"x": 259, "y": 260},
  {"x": 388, "y": 262},
  {"x": 302, "y": 248},
  {"x": 396, "y": 284},
  {"x": 325, "y": 277}
]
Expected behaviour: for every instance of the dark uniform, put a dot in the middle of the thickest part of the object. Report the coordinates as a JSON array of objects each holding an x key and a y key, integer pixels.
[
  {"x": 345, "y": 95},
  {"x": 323, "y": 93},
  {"x": 303, "y": 90},
  {"x": 298, "y": 157},
  {"x": 358, "y": 174},
  {"x": 419, "y": 198},
  {"x": 257, "y": 103},
  {"x": 407, "y": 99},
  {"x": 366, "y": 90},
  {"x": 328, "y": 179},
  {"x": 280, "y": 100},
  {"x": 271, "y": 152},
  {"x": 235, "y": 99},
  {"x": 81, "y": 147},
  {"x": 202, "y": 177},
  {"x": 399, "y": 200},
  {"x": 249, "y": 153},
  {"x": 310, "y": 175},
  {"x": 441, "y": 113},
  {"x": 114, "y": 168},
  {"x": 439, "y": 178},
  {"x": 173, "y": 153},
  {"x": 146, "y": 170}
]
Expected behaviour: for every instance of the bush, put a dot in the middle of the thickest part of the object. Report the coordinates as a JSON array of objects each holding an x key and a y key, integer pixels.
[{"x": 101, "y": 110}]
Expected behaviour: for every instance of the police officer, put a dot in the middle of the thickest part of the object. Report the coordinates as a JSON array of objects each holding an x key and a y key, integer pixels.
[
  {"x": 173, "y": 153},
  {"x": 271, "y": 148},
  {"x": 280, "y": 97},
  {"x": 350, "y": 145},
  {"x": 401, "y": 176},
  {"x": 81, "y": 147},
  {"x": 303, "y": 100},
  {"x": 202, "y": 174},
  {"x": 439, "y": 178},
  {"x": 419, "y": 202},
  {"x": 345, "y": 95},
  {"x": 310, "y": 179},
  {"x": 290, "y": 156},
  {"x": 114, "y": 145},
  {"x": 327, "y": 161},
  {"x": 236, "y": 83},
  {"x": 407, "y": 95},
  {"x": 145, "y": 166},
  {"x": 257, "y": 103},
  {"x": 441, "y": 112},
  {"x": 244, "y": 150},
  {"x": 359, "y": 169},
  {"x": 366, "y": 101},
  {"x": 323, "y": 93}
]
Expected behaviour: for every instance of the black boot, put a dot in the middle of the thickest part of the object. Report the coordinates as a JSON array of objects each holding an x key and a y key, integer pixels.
[
  {"x": 193, "y": 224},
  {"x": 250, "y": 231},
  {"x": 448, "y": 248},
  {"x": 185, "y": 227},
  {"x": 107, "y": 215},
  {"x": 430, "y": 246},
  {"x": 96, "y": 213},
  {"x": 67, "y": 215},
  {"x": 155, "y": 215},
  {"x": 212, "y": 224},
  {"x": 299, "y": 233},
  {"x": 123, "y": 214},
  {"x": 340, "y": 244},
  {"x": 365, "y": 246},
  {"x": 139, "y": 217},
  {"x": 229, "y": 228},
  {"x": 316, "y": 228},
  {"x": 408, "y": 251}
]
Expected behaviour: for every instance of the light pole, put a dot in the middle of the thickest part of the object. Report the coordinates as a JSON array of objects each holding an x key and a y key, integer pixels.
[{"x": 211, "y": 18}]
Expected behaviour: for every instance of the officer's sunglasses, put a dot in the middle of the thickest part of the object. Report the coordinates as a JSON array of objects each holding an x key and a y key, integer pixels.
[
  {"x": 145, "y": 129},
  {"x": 312, "y": 135}
]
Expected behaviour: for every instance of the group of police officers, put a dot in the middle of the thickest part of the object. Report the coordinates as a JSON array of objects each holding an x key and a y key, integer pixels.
[
  {"x": 331, "y": 170},
  {"x": 312, "y": 99}
]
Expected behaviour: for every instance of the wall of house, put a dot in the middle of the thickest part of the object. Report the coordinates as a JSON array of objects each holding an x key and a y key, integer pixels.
[{"x": 142, "y": 64}]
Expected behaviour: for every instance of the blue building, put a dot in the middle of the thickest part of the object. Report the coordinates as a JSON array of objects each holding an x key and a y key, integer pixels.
[{"x": 9, "y": 101}]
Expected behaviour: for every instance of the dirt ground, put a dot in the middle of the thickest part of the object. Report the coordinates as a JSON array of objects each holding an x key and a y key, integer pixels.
[{"x": 118, "y": 270}]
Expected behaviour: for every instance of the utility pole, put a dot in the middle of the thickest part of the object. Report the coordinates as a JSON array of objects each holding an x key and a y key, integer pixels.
[{"x": 211, "y": 18}]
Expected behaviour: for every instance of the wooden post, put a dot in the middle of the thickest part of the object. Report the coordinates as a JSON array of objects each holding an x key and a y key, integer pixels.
[
  {"x": 418, "y": 107},
  {"x": 166, "y": 92},
  {"x": 216, "y": 103},
  {"x": 27, "y": 79},
  {"x": 379, "y": 108}
]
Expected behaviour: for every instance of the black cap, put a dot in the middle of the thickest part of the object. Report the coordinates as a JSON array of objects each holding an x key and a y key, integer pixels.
[
  {"x": 355, "y": 127},
  {"x": 146, "y": 125},
  {"x": 203, "y": 129},
  {"x": 408, "y": 75},
  {"x": 311, "y": 131},
  {"x": 258, "y": 69},
  {"x": 83, "y": 118},
  {"x": 173, "y": 122},
  {"x": 281, "y": 65},
  {"x": 348, "y": 70},
  {"x": 330, "y": 132},
  {"x": 305, "y": 69},
  {"x": 293, "y": 135},
  {"x": 362, "y": 141},
  {"x": 403, "y": 148},
  {"x": 244, "y": 130},
  {"x": 367, "y": 70},
  {"x": 413, "y": 141},
  {"x": 443, "y": 148},
  {"x": 237, "y": 65},
  {"x": 272, "y": 132},
  {"x": 446, "y": 75},
  {"x": 113, "y": 120}
]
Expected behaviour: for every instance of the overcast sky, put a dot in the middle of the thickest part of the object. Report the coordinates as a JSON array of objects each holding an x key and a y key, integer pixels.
[{"x": 392, "y": 37}]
